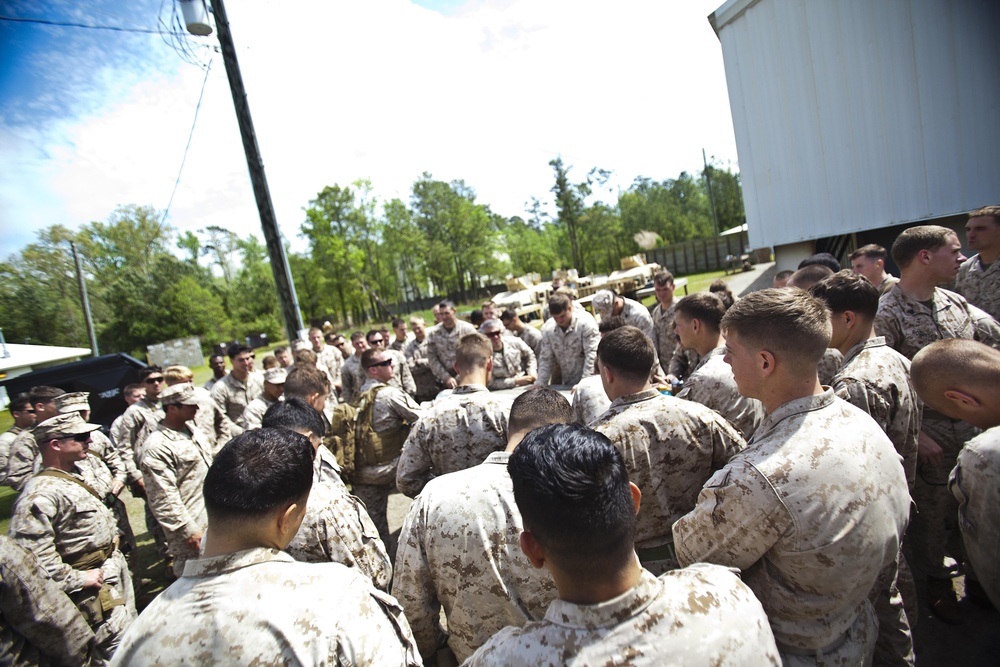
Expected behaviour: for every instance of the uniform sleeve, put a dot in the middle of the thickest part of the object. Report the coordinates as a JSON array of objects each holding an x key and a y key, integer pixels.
[
  {"x": 887, "y": 325},
  {"x": 434, "y": 361},
  {"x": 528, "y": 361},
  {"x": 31, "y": 527},
  {"x": 163, "y": 496},
  {"x": 413, "y": 471},
  {"x": 737, "y": 519},
  {"x": 405, "y": 407},
  {"x": 348, "y": 391},
  {"x": 113, "y": 458},
  {"x": 352, "y": 539},
  {"x": 406, "y": 377},
  {"x": 591, "y": 339},
  {"x": 249, "y": 419},
  {"x": 545, "y": 361},
  {"x": 21, "y": 464},
  {"x": 857, "y": 394},
  {"x": 987, "y": 328},
  {"x": 412, "y": 583}
]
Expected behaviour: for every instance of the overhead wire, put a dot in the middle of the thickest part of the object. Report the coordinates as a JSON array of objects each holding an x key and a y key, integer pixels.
[
  {"x": 194, "y": 123},
  {"x": 70, "y": 24}
]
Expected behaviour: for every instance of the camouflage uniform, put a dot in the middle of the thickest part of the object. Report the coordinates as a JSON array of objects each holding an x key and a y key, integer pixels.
[
  {"x": 829, "y": 366},
  {"x": 683, "y": 362},
  {"x": 174, "y": 465},
  {"x": 975, "y": 483},
  {"x": 712, "y": 384},
  {"x": 254, "y": 413},
  {"x": 420, "y": 368},
  {"x": 6, "y": 440},
  {"x": 637, "y": 315},
  {"x": 139, "y": 420},
  {"x": 664, "y": 337},
  {"x": 886, "y": 284},
  {"x": 402, "y": 378},
  {"x": 812, "y": 518},
  {"x": 39, "y": 625},
  {"x": 260, "y": 607},
  {"x": 211, "y": 383},
  {"x": 515, "y": 360},
  {"x": 210, "y": 420},
  {"x": 590, "y": 401},
  {"x": 573, "y": 350},
  {"x": 22, "y": 462},
  {"x": 531, "y": 337},
  {"x": 671, "y": 446},
  {"x": 337, "y": 529},
  {"x": 232, "y": 397},
  {"x": 458, "y": 432},
  {"x": 980, "y": 285},
  {"x": 63, "y": 523},
  {"x": 460, "y": 548},
  {"x": 442, "y": 345},
  {"x": 331, "y": 360},
  {"x": 701, "y": 616},
  {"x": 352, "y": 376}
]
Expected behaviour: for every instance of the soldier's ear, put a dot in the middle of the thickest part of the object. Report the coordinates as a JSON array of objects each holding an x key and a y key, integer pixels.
[
  {"x": 765, "y": 362},
  {"x": 636, "y": 496},
  {"x": 532, "y": 549},
  {"x": 966, "y": 401}
]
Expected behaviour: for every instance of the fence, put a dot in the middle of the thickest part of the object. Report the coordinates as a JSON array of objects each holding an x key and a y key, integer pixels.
[{"x": 699, "y": 255}]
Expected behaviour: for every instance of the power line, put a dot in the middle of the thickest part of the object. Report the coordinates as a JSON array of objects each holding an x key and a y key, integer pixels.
[
  {"x": 66, "y": 24},
  {"x": 190, "y": 136}
]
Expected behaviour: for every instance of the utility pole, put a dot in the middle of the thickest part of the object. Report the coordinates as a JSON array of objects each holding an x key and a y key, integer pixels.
[
  {"x": 275, "y": 250},
  {"x": 711, "y": 199},
  {"x": 86, "y": 302}
]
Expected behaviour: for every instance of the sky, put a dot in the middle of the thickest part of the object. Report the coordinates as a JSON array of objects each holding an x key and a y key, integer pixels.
[{"x": 487, "y": 91}]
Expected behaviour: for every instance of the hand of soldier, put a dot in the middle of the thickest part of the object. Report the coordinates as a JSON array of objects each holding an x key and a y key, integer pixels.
[
  {"x": 93, "y": 578},
  {"x": 451, "y": 383},
  {"x": 117, "y": 486},
  {"x": 194, "y": 542},
  {"x": 928, "y": 451},
  {"x": 524, "y": 380}
]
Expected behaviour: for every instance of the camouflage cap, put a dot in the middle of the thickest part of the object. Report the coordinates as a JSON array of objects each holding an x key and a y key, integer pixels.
[
  {"x": 73, "y": 402},
  {"x": 603, "y": 302},
  {"x": 62, "y": 426},
  {"x": 275, "y": 376},
  {"x": 179, "y": 394}
]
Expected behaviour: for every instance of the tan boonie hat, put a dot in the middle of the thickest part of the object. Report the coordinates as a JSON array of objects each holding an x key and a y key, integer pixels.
[
  {"x": 73, "y": 402},
  {"x": 275, "y": 375},
  {"x": 603, "y": 302},
  {"x": 179, "y": 394},
  {"x": 62, "y": 426}
]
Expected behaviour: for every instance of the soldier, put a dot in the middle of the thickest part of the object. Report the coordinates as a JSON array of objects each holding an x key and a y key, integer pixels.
[
  {"x": 813, "y": 510},
  {"x": 671, "y": 446},
  {"x": 490, "y": 310},
  {"x": 608, "y": 303},
  {"x": 24, "y": 451},
  {"x": 284, "y": 357},
  {"x": 420, "y": 366},
  {"x": 803, "y": 279},
  {"x": 274, "y": 385},
  {"x": 781, "y": 278},
  {"x": 240, "y": 386},
  {"x": 328, "y": 357},
  {"x": 340, "y": 342},
  {"x": 352, "y": 375},
  {"x": 978, "y": 278},
  {"x": 869, "y": 261},
  {"x": 209, "y": 419},
  {"x": 142, "y": 417},
  {"x": 459, "y": 546},
  {"x": 385, "y": 415},
  {"x": 217, "y": 363},
  {"x": 64, "y": 522},
  {"x": 528, "y": 334},
  {"x": 245, "y": 602},
  {"x": 912, "y": 314},
  {"x": 399, "y": 329},
  {"x": 132, "y": 394},
  {"x": 589, "y": 399},
  {"x": 442, "y": 342},
  {"x": 39, "y": 624},
  {"x": 569, "y": 340},
  {"x": 401, "y": 376},
  {"x": 459, "y": 431},
  {"x": 675, "y": 361},
  {"x": 513, "y": 361},
  {"x": 24, "y": 418},
  {"x": 579, "y": 509},
  {"x": 711, "y": 383},
  {"x": 336, "y": 528},
  {"x": 174, "y": 460},
  {"x": 313, "y": 387}
]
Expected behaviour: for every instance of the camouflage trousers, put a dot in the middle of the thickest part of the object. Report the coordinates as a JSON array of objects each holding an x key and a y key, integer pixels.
[
  {"x": 856, "y": 649},
  {"x": 109, "y": 634},
  {"x": 373, "y": 484},
  {"x": 892, "y": 598}
]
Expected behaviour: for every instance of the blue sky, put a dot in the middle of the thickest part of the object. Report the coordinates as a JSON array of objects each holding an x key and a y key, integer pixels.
[{"x": 485, "y": 90}]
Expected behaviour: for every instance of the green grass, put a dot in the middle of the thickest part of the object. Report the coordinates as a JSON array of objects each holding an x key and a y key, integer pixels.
[{"x": 697, "y": 282}]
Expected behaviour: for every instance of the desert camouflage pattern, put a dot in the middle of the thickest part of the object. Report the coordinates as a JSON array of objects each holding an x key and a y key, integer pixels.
[
  {"x": 261, "y": 607},
  {"x": 119, "y": 437},
  {"x": 420, "y": 368},
  {"x": 886, "y": 284},
  {"x": 330, "y": 360},
  {"x": 637, "y": 315},
  {"x": 102, "y": 447},
  {"x": 6, "y": 440},
  {"x": 712, "y": 384},
  {"x": 232, "y": 397},
  {"x": 174, "y": 465},
  {"x": 876, "y": 378},
  {"x": 532, "y": 337},
  {"x": 458, "y": 432},
  {"x": 402, "y": 378},
  {"x": 253, "y": 415},
  {"x": 442, "y": 345},
  {"x": 664, "y": 337},
  {"x": 975, "y": 483},
  {"x": 515, "y": 360},
  {"x": 574, "y": 350},
  {"x": 210, "y": 420},
  {"x": 459, "y": 549},
  {"x": 95, "y": 472},
  {"x": 352, "y": 376},
  {"x": 22, "y": 462},
  {"x": 812, "y": 517},
  {"x": 829, "y": 366},
  {"x": 683, "y": 362},
  {"x": 41, "y": 625},
  {"x": 392, "y": 407},
  {"x": 700, "y": 616},
  {"x": 671, "y": 447},
  {"x": 980, "y": 285},
  {"x": 589, "y": 400},
  {"x": 337, "y": 529}
]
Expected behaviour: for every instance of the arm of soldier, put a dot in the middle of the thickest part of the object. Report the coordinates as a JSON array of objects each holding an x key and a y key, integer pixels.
[
  {"x": 929, "y": 452},
  {"x": 406, "y": 379},
  {"x": 384, "y": 637},
  {"x": 737, "y": 519},
  {"x": 726, "y": 441},
  {"x": 219, "y": 395},
  {"x": 119, "y": 438},
  {"x": 113, "y": 459},
  {"x": 412, "y": 583},
  {"x": 545, "y": 362},
  {"x": 987, "y": 328},
  {"x": 887, "y": 325},
  {"x": 35, "y": 606},
  {"x": 348, "y": 391},
  {"x": 347, "y": 535},
  {"x": 591, "y": 339},
  {"x": 163, "y": 496},
  {"x": 413, "y": 471},
  {"x": 678, "y": 366},
  {"x": 21, "y": 464},
  {"x": 249, "y": 419},
  {"x": 528, "y": 360},
  {"x": 857, "y": 394},
  {"x": 442, "y": 373},
  {"x": 31, "y": 527}
]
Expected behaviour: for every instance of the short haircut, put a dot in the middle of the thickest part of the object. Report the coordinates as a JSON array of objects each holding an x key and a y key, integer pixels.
[
  {"x": 217, "y": 356},
  {"x": 305, "y": 356},
  {"x": 358, "y": 335},
  {"x": 538, "y": 406},
  {"x": 922, "y": 237},
  {"x": 822, "y": 259},
  {"x": 721, "y": 289},
  {"x": 507, "y": 316},
  {"x": 329, "y": 338},
  {"x": 559, "y": 303},
  {"x": 129, "y": 388},
  {"x": 572, "y": 489},
  {"x": 706, "y": 307},
  {"x": 627, "y": 350},
  {"x": 871, "y": 251},
  {"x": 396, "y": 321},
  {"x": 951, "y": 364},
  {"x": 474, "y": 350},
  {"x": 987, "y": 212},
  {"x": 149, "y": 370},
  {"x": 295, "y": 415},
  {"x": 256, "y": 473},
  {"x": 789, "y": 323},
  {"x": 372, "y": 332},
  {"x": 176, "y": 374},
  {"x": 368, "y": 355},
  {"x": 611, "y": 323},
  {"x": 238, "y": 349},
  {"x": 845, "y": 291},
  {"x": 446, "y": 304},
  {"x": 20, "y": 403},
  {"x": 783, "y": 274},
  {"x": 492, "y": 323},
  {"x": 269, "y": 361},
  {"x": 809, "y": 275},
  {"x": 44, "y": 394},
  {"x": 278, "y": 350},
  {"x": 491, "y": 302},
  {"x": 476, "y": 317},
  {"x": 303, "y": 381},
  {"x": 662, "y": 278},
  {"x": 416, "y": 319},
  {"x": 316, "y": 329}
]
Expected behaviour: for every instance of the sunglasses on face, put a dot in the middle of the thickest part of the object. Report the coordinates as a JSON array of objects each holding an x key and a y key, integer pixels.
[
  {"x": 153, "y": 380},
  {"x": 387, "y": 362},
  {"x": 494, "y": 334},
  {"x": 79, "y": 437}
]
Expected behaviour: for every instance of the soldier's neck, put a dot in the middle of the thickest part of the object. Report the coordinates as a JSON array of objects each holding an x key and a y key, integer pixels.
[{"x": 917, "y": 287}]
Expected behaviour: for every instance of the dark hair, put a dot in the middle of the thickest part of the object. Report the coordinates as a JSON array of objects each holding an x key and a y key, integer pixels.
[
  {"x": 358, "y": 335},
  {"x": 305, "y": 380},
  {"x": 845, "y": 291},
  {"x": 987, "y": 212},
  {"x": 627, "y": 350},
  {"x": 20, "y": 403},
  {"x": 662, "y": 278},
  {"x": 44, "y": 394},
  {"x": 538, "y": 406},
  {"x": 216, "y": 356},
  {"x": 330, "y": 337},
  {"x": 507, "y": 315},
  {"x": 922, "y": 237},
  {"x": 823, "y": 259},
  {"x": 611, "y": 323},
  {"x": 559, "y": 303},
  {"x": 721, "y": 289},
  {"x": 783, "y": 274},
  {"x": 476, "y": 317},
  {"x": 295, "y": 415},
  {"x": 238, "y": 349},
  {"x": 396, "y": 321},
  {"x": 147, "y": 371},
  {"x": 368, "y": 355},
  {"x": 278, "y": 350},
  {"x": 446, "y": 304},
  {"x": 871, "y": 251},
  {"x": 572, "y": 489},
  {"x": 258, "y": 472},
  {"x": 372, "y": 332},
  {"x": 706, "y": 307}
]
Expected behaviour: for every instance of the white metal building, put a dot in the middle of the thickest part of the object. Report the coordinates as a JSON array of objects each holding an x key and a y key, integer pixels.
[{"x": 858, "y": 115}]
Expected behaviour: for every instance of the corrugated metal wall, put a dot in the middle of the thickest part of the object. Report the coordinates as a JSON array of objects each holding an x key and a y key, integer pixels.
[{"x": 858, "y": 114}]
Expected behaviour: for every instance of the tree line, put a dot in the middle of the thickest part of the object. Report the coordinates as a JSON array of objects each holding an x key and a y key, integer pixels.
[{"x": 148, "y": 283}]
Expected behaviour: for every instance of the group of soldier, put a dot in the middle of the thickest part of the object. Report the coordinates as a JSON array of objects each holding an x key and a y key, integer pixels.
[{"x": 729, "y": 482}]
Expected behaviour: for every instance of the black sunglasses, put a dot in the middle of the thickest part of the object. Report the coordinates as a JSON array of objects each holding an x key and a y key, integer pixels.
[
  {"x": 79, "y": 437},
  {"x": 387, "y": 362},
  {"x": 153, "y": 380},
  {"x": 494, "y": 334}
]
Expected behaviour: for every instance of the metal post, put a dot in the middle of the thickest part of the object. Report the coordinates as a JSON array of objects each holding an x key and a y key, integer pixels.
[
  {"x": 86, "y": 302},
  {"x": 275, "y": 250}
]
